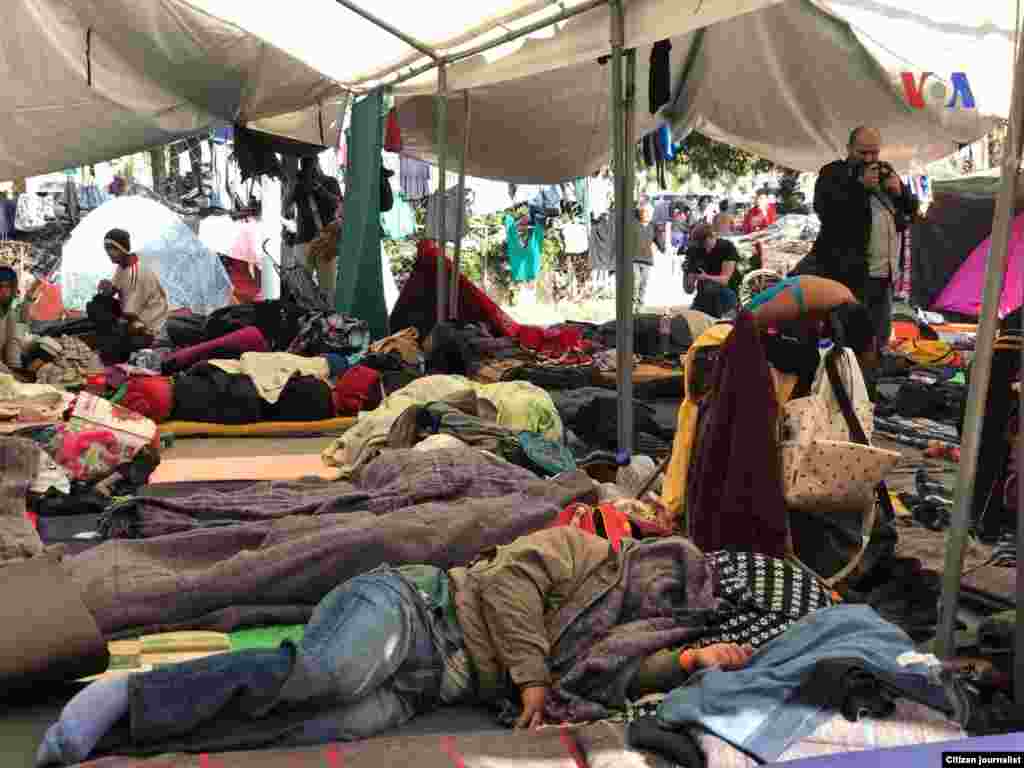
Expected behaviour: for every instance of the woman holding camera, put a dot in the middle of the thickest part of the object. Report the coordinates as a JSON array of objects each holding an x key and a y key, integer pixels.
[{"x": 864, "y": 210}]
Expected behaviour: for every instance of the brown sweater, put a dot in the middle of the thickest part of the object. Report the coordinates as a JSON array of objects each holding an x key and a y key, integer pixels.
[{"x": 543, "y": 580}]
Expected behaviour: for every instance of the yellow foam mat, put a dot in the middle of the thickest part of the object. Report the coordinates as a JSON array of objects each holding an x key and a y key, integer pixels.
[
  {"x": 284, "y": 467},
  {"x": 257, "y": 429},
  {"x": 643, "y": 373}
]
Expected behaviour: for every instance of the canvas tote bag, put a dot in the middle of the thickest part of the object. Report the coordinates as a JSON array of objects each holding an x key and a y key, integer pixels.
[{"x": 829, "y": 464}]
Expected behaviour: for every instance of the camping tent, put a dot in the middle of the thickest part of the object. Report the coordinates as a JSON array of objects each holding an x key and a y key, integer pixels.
[
  {"x": 958, "y": 219},
  {"x": 963, "y": 293},
  {"x": 191, "y": 274}
]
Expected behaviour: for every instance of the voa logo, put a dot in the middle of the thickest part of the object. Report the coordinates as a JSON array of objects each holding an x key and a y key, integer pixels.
[{"x": 929, "y": 90}]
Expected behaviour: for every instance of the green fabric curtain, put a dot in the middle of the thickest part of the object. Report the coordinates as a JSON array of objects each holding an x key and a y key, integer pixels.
[{"x": 360, "y": 290}]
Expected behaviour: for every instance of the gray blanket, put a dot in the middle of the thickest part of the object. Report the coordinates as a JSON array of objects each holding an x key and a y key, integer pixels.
[{"x": 440, "y": 508}]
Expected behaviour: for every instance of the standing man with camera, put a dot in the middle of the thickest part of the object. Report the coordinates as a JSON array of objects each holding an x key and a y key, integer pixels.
[{"x": 864, "y": 210}]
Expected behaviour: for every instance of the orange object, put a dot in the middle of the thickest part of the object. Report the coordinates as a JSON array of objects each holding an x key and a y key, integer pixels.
[{"x": 49, "y": 303}]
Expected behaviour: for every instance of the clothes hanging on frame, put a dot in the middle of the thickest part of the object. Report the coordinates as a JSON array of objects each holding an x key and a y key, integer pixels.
[{"x": 524, "y": 260}]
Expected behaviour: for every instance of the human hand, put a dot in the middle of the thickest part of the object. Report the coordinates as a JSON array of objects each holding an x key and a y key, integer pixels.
[
  {"x": 869, "y": 178},
  {"x": 893, "y": 185},
  {"x": 723, "y": 656},
  {"x": 533, "y": 706}
]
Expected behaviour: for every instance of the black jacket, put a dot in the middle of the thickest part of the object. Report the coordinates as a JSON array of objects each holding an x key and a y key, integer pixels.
[{"x": 844, "y": 207}]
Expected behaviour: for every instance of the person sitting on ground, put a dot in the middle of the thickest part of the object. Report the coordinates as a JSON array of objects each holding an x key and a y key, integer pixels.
[
  {"x": 129, "y": 310},
  {"x": 724, "y": 223},
  {"x": 137, "y": 286},
  {"x": 711, "y": 270},
  {"x": 11, "y": 343},
  {"x": 515, "y": 627},
  {"x": 760, "y": 216}
]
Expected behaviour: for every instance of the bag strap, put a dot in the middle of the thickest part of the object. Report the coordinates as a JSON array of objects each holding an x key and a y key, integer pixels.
[
  {"x": 857, "y": 434},
  {"x": 852, "y": 422}
]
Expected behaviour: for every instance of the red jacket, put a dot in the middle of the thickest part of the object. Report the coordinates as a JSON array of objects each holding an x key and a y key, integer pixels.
[{"x": 756, "y": 220}]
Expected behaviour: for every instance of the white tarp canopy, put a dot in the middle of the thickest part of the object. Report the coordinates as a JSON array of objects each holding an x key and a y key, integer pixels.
[
  {"x": 786, "y": 82},
  {"x": 87, "y": 80}
]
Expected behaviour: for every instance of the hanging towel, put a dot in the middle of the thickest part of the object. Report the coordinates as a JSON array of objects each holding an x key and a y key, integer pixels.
[
  {"x": 524, "y": 260},
  {"x": 415, "y": 178},
  {"x": 451, "y": 213},
  {"x": 360, "y": 285},
  {"x": 661, "y": 75},
  {"x": 392, "y": 134},
  {"x": 665, "y": 141},
  {"x": 400, "y": 222}
]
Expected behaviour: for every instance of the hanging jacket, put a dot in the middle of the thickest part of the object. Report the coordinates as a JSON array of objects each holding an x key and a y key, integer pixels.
[
  {"x": 734, "y": 495},
  {"x": 660, "y": 83}
]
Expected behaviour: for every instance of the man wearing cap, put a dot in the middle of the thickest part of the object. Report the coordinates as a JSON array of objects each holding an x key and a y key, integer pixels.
[
  {"x": 711, "y": 267},
  {"x": 143, "y": 299}
]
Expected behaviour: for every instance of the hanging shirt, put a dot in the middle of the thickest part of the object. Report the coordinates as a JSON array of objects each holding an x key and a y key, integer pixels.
[
  {"x": 450, "y": 215},
  {"x": 414, "y": 178},
  {"x": 549, "y": 196},
  {"x": 523, "y": 260},
  {"x": 600, "y": 194}
]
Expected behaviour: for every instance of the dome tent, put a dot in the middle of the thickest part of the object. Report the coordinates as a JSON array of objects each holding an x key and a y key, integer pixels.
[{"x": 191, "y": 274}]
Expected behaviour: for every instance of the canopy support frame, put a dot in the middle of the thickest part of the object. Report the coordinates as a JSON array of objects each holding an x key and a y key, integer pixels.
[
  {"x": 441, "y": 140},
  {"x": 622, "y": 95},
  {"x": 981, "y": 371},
  {"x": 460, "y": 212}
]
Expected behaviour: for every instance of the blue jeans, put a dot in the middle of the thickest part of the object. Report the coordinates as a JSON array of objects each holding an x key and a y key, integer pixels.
[
  {"x": 714, "y": 299},
  {"x": 369, "y": 661}
]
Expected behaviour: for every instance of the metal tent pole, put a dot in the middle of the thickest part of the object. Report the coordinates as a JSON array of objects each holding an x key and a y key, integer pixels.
[
  {"x": 1015, "y": 145},
  {"x": 460, "y": 213},
  {"x": 441, "y": 139},
  {"x": 623, "y": 262},
  {"x": 981, "y": 371}
]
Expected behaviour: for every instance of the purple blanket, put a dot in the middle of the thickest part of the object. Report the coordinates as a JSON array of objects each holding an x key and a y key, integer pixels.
[{"x": 441, "y": 508}]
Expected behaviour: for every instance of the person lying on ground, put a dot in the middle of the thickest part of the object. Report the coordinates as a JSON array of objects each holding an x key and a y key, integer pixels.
[
  {"x": 559, "y": 625},
  {"x": 711, "y": 269}
]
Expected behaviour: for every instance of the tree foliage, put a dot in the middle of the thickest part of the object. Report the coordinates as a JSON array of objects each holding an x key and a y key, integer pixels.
[{"x": 712, "y": 160}]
